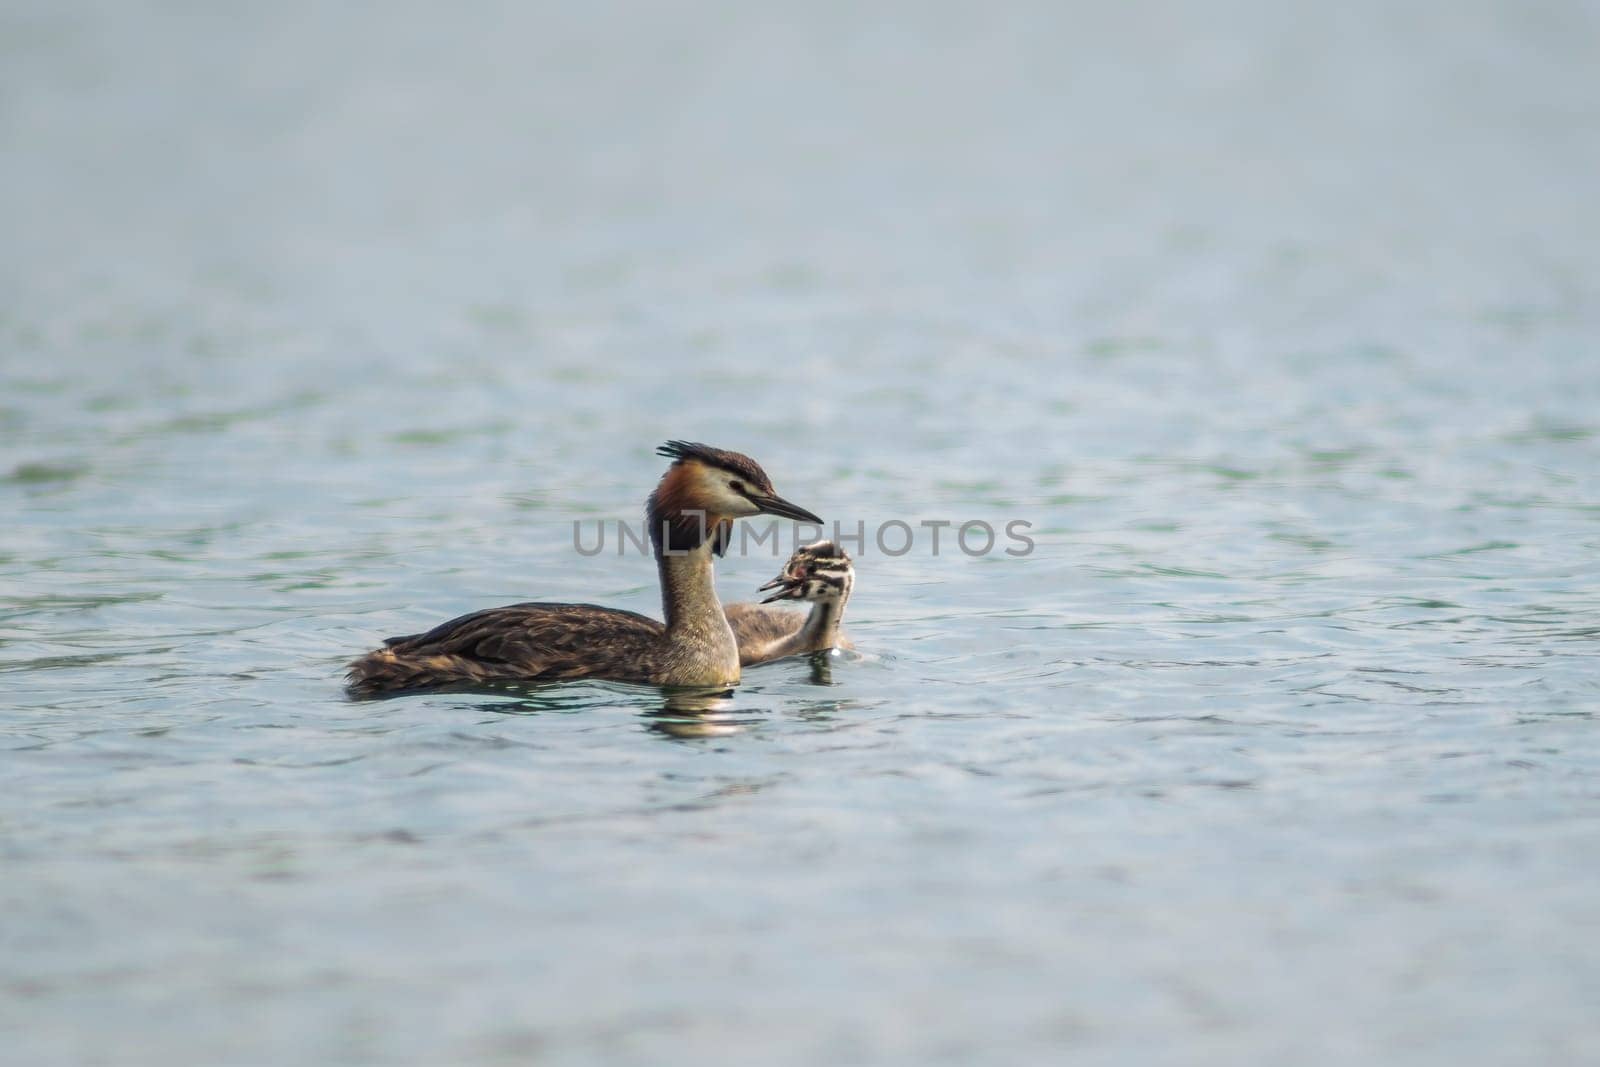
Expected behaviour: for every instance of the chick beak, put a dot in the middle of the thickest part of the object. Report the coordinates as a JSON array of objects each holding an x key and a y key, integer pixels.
[
  {"x": 787, "y": 586},
  {"x": 790, "y": 590}
]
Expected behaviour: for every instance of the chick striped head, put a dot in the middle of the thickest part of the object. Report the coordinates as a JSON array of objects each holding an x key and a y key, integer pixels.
[{"x": 816, "y": 572}]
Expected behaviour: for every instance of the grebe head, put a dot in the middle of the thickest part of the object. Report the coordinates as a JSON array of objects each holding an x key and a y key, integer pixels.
[
  {"x": 704, "y": 490},
  {"x": 819, "y": 571}
]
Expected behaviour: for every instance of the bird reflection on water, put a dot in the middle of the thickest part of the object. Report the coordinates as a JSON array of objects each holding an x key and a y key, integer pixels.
[
  {"x": 696, "y": 714},
  {"x": 678, "y": 713},
  {"x": 688, "y": 714}
]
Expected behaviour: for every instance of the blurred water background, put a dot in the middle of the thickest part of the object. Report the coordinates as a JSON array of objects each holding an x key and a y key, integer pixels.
[{"x": 323, "y": 322}]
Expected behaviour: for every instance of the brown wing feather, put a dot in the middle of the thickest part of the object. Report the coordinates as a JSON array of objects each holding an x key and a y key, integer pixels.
[{"x": 520, "y": 642}]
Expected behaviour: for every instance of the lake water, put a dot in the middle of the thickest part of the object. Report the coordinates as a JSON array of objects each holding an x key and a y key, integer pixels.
[{"x": 322, "y": 323}]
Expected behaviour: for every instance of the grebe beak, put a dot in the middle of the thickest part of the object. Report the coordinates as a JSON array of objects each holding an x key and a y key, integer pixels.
[{"x": 776, "y": 505}]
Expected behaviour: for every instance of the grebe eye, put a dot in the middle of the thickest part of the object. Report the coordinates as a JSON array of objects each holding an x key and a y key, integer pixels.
[{"x": 737, "y": 487}]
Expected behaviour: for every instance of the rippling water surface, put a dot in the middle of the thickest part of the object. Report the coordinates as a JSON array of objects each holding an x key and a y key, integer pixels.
[{"x": 1278, "y": 324}]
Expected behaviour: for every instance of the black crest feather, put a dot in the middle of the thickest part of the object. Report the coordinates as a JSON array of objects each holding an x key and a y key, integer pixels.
[
  {"x": 684, "y": 450},
  {"x": 733, "y": 462}
]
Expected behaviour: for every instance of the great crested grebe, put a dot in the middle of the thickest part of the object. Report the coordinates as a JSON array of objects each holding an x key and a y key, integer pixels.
[
  {"x": 820, "y": 572},
  {"x": 690, "y": 514}
]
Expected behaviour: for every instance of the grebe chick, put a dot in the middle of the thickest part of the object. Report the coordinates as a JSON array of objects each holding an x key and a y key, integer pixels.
[
  {"x": 690, "y": 515},
  {"x": 821, "y": 573}
]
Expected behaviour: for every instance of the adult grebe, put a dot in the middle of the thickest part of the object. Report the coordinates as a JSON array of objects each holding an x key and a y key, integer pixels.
[
  {"x": 690, "y": 515},
  {"x": 820, "y": 572}
]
